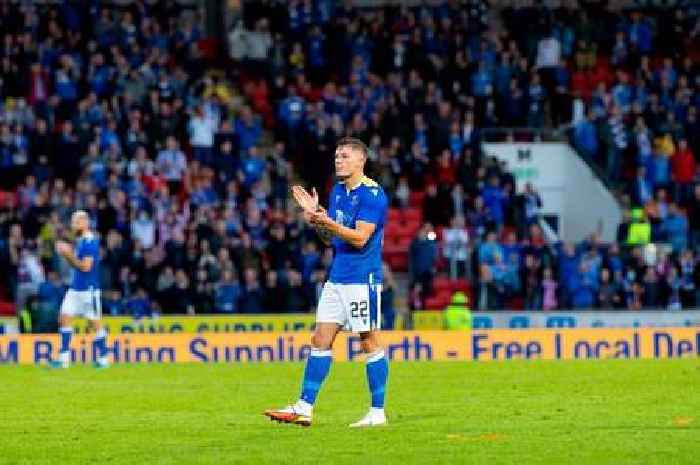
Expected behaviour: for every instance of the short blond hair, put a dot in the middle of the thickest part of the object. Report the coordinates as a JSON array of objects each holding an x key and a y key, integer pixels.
[{"x": 80, "y": 214}]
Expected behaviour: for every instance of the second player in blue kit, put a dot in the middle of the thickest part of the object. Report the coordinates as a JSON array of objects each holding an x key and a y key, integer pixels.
[
  {"x": 354, "y": 226},
  {"x": 83, "y": 295}
]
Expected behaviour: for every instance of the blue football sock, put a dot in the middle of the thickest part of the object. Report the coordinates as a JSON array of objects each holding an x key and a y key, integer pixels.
[
  {"x": 100, "y": 344},
  {"x": 317, "y": 367},
  {"x": 66, "y": 333},
  {"x": 377, "y": 374}
]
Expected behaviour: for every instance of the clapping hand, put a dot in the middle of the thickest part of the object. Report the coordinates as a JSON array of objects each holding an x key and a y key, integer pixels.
[
  {"x": 314, "y": 213},
  {"x": 63, "y": 248},
  {"x": 307, "y": 202}
]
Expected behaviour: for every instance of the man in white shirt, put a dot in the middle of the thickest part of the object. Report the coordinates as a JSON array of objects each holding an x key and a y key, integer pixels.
[
  {"x": 548, "y": 52},
  {"x": 172, "y": 164},
  {"x": 260, "y": 41},
  {"x": 143, "y": 229},
  {"x": 30, "y": 274},
  {"x": 455, "y": 241},
  {"x": 202, "y": 128},
  {"x": 547, "y": 61}
]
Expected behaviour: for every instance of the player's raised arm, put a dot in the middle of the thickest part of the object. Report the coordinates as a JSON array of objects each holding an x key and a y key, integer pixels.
[
  {"x": 66, "y": 251},
  {"x": 307, "y": 202},
  {"x": 369, "y": 215},
  {"x": 310, "y": 205},
  {"x": 356, "y": 237}
]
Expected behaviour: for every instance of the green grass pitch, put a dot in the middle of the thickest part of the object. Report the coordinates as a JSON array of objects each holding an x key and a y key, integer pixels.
[{"x": 573, "y": 412}]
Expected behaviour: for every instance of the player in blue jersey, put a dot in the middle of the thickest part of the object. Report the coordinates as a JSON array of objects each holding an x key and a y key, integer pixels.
[
  {"x": 354, "y": 226},
  {"x": 83, "y": 295}
]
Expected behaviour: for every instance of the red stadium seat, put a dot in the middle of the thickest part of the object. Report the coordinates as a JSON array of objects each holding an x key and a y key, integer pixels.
[
  {"x": 506, "y": 231},
  {"x": 439, "y": 301},
  {"x": 515, "y": 303},
  {"x": 460, "y": 285},
  {"x": 581, "y": 83},
  {"x": 433, "y": 303},
  {"x": 411, "y": 225},
  {"x": 393, "y": 247},
  {"x": 413, "y": 215},
  {"x": 405, "y": 230},
  {"x": 397, "y": 244},
  {"x": 392, "y": 229},
  {"x": 397, "y": 261},
  {"x": 405, "y": 242},
  {"x": 441, "y": 283},
  {"x": 444, "y": 294},
  {"x": 441, "y": 264},
  {"x": 208, "y": 48},
  {"x": 602, "y": 73},
  {"x": 438, "y": 232},
  {"x": 394, "y": 215},
  {"x": 415, "y": 199},
  {"x": 8, "y": 199},
  {"x": 7, "y": 309}
]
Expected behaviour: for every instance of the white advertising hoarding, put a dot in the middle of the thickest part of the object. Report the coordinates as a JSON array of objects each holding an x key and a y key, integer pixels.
[{"x": 586, "y": 319}]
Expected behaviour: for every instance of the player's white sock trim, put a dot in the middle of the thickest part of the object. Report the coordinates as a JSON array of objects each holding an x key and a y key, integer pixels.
[
  {"x": 374, "y": 417},
  {"x": 65, "y": 329},
  {"x": 373, "y": 357},
  {"x": 304, "y": 407},
  {"x": 320, "y": 353}
]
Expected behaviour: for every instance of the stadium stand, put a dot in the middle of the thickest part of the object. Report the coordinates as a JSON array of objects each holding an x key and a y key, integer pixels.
[{"x": 184, "y": 156}]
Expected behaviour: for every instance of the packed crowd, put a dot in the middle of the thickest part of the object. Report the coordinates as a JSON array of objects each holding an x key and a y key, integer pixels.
[
  {"x": 117, "y": 110},
  {"x": 626, "y": 82},
  {"x": 531, "y": 274}
]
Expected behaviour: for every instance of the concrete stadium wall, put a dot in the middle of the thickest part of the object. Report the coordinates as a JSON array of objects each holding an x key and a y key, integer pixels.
[{"x": 570, "y": 190}]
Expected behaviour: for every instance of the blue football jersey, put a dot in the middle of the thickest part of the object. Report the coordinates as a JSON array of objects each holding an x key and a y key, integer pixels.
[
  {"x": 87, "y": 245},
  {"x": 367, "y": 202}
]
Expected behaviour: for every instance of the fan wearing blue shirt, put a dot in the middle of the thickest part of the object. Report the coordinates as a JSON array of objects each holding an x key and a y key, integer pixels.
[
  {"x": 354, "y": 226},
  {"x": 83, "y": 295}
]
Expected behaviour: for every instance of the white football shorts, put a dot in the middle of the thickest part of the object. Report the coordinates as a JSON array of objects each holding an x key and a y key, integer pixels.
[
  {"x": 355, "y": 307},
  {"x": 82, "y": 303}
]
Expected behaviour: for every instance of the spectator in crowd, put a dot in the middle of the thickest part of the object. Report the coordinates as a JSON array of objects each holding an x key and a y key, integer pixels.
[
  {"x": 252, "y": 299},
  {"x": 495, "y": 200},
  {"x": 181, "y": 300},
  {"x": 50, "y": 293},
  {"x": 586, "y": 137},
  {"x": 423, "y": 253},
  {"x": 675, "y": 229},
  {"x": 455, "y": 242},
  {"x": 134, "y": 124},
  {"x": 387, "y": 297},
  {"x": 30, "y": 275},
  {"x": 489, "y": 293},
  {"x": 139, "y": 305},
  {"x": 202, "y": 128},
  {"x": 171, "y": 162},
  {"x": 684, "y": 171},
  {"x": 549, "y": 290},
  {"x": 143, "y": 230},
  {"x": 275, "y": 292}
]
